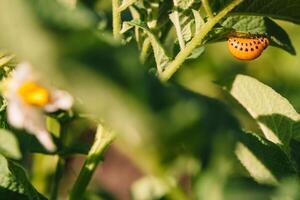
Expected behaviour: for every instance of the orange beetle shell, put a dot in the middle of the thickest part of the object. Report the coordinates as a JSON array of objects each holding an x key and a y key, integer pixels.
[{"x": 244, "y": 48}]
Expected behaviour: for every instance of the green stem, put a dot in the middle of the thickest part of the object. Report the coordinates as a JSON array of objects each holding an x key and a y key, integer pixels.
[
  {"x": 207, "y": 9},
  {"x": 116, "y": 19},
  {"x": 183, "y": 54},
  {"x": 102, "y": 140},
  {"x": 60, "y": 165}
]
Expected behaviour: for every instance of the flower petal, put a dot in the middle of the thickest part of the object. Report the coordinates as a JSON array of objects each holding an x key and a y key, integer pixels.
[
  {"x": 35, "y": 123},
  {"x": 15, "y": 114},
  {"x": 46, "y": 140},
  {"x": 22, "y": 73},
  {"x": 60, "y": 100}
]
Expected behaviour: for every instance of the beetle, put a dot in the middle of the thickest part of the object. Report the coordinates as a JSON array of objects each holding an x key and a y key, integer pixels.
[{"x": 247, "y": 47}]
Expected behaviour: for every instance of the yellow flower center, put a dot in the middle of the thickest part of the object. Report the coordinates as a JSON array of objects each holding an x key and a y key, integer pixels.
[{"x": 34, "y": 94}]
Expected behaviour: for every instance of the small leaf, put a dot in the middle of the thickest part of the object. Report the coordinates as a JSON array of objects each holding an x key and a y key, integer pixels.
[
  {"x": 187, "y": 23},
  {"x": 160, "y": 54},
  {"x": 261, "y": 25},
  {"x": 13, "y": 179},
  {"x": 9, "y": 145},
  {"x": 125, "y": 4},
  {"x": 264, "y": 160},
  {"x": 182, "y": 26},
  {"x": 274, "y": 114},
  {"x": 197, "y": 52},
  {"x": 199, "y": 22},
  {"x": 184, "y": 4}
]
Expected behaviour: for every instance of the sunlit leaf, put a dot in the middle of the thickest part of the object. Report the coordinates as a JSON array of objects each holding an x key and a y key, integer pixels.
[
  {"x": 274, "y": 114},
  {"x": 14, "y": 182},
  {"x": 9, "y": 145}
]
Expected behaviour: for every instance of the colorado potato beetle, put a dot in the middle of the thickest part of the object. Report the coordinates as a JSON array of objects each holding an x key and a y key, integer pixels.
[{"x": 247, "y": 47}]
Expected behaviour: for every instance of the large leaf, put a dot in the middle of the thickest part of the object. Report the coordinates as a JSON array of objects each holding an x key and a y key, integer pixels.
[
  {"x": 275, "y": 115},
  {"x": 286, "y": 10},
  {"x": 15, "y": 183},
  {"x": 261, "y": 25},
  {"x": 9, "y": 145},
  {"x": 264, "y": 160}
]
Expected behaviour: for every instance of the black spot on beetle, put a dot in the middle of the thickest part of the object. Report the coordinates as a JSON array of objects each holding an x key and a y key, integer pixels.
[
  {"x": 246, "y": 49},
  {"x": 254, "y": 42},
  {"x": 250, "y": 44},
  {"x": 256, "y": 47},
  {"x": 236, "y": 46},
  {"x": 252, "y": 49},
  {"x": 241, "y": 49}
]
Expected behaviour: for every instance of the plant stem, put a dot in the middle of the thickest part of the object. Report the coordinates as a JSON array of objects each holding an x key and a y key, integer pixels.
[
  {"x": 103, "y": 139},
  {"x": 207, "y": 9},
  {"x": 55, "y": 127},
  {"x": 116, "y": 19},
  {"x": 60, "y": 165},
  {"x": 183, "y": 54}
]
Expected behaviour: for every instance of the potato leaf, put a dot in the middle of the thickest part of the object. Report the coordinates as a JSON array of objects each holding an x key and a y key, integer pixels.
[
  {"x": 9, "y": 145},
  {"x": 15, "y": 183},
  {"x": 274, "y": 114},
  {"x": 161, "y": 57},
  {"x": 279, "y": 9}
]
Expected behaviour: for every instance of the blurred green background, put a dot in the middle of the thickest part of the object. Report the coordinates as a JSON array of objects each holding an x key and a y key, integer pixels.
[{"x": 175, "y": 140}]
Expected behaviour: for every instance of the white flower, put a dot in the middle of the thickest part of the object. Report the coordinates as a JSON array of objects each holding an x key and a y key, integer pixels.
[{"x": 27, "y": 102}]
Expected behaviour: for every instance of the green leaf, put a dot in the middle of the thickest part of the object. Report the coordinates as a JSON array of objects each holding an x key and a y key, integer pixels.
[
  {"x": 261, "y": 25},
  {"x": 161, "y": 57},
  {"x": 184, "y": 4},
  {"x": 196, "y": 52},
  {"x": 126, "y": 3},
  {"x": 285, "y": 10},
  {"x": 13, "y": 179},
  {"x": 264, "y": 160},
  {"x": 9, "y": 145},
  {"x": 183, "y": 27},
  {"x": 199, "y": 21},
  {"x": 274, "y": 114},
  {"x": 187, "y": 23}
]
